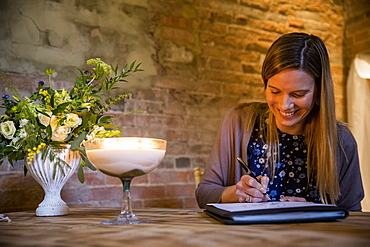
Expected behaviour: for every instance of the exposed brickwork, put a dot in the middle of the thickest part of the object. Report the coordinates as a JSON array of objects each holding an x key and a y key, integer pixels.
[
  {"x": 207, "y": 57},
  {"x": 356, "y": 31}
]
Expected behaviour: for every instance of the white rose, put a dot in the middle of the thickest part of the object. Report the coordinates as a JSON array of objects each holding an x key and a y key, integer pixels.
[
  {"x": 61, "y": 133},
  {"x": 44, "y": 120},
  {"x": 72, "y": 120},
  {"x": 7, "y": 128},
  {"x": 48, "y": 120},
  {"x": 54, "y": 122}
]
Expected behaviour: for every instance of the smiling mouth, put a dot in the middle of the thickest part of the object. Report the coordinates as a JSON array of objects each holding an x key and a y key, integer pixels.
[{"x": 287, "y": 114}]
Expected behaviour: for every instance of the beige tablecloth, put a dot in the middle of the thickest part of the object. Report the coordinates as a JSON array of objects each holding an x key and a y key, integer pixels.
[{"x": 175, "y": 227}]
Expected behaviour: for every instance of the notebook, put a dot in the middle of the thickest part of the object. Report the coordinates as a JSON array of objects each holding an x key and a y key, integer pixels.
[{"x": 274, "y": 212}]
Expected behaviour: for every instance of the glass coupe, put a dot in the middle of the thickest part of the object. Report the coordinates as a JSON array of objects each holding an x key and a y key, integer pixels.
[{"x": 126, "y": 158}]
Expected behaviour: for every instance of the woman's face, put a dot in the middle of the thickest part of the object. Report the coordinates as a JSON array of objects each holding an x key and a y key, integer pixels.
[{"x": 291, "y": 95}]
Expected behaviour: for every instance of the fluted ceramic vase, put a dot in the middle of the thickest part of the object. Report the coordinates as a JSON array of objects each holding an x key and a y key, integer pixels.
[{"x": 42, "y": 171}]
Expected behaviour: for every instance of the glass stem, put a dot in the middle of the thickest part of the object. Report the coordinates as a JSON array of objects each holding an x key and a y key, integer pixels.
[{"x": 126, "y": 210}]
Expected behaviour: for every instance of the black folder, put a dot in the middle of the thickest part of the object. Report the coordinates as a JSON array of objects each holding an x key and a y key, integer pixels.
[{"x": 274, "y": 212}]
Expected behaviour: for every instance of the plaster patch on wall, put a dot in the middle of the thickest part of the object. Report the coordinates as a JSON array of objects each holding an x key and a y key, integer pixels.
[
  {"x": 65, "y": 34},
  {"x": 180, "y": 54}
]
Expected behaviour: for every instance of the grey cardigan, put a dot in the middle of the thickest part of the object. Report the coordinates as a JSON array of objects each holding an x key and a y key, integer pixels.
[{"x": 232, "y": 139}]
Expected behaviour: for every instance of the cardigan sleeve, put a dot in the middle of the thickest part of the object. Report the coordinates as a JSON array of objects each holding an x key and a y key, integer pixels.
[
  {"x": 222, "y": 169},
  {"x": 213, "y": 183},
  {"x": 350, "y": 182}
]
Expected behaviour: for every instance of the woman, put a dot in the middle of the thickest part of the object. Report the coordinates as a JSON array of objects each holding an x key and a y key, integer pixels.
[{"x": 293, "y": 143}]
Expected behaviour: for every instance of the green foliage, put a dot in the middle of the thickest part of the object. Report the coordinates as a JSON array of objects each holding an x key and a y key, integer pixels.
[{"x": 55, "y": 117}]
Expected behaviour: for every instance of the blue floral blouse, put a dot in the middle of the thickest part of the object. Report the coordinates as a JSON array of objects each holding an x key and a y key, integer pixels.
[{"x": 290, "y": 177}]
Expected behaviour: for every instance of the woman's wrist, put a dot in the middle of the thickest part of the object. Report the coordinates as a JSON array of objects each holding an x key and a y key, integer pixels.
[{"x": 229, "y": 195}]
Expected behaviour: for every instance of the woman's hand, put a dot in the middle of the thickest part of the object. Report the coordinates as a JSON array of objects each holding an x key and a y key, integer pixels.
[
  {"x": 249, "y": 189},
  {"x": 246, "y": 190},
  {"x": 292, "y": 199}
]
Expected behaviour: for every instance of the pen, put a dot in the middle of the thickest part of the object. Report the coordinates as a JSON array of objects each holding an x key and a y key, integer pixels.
[{"x": 250, "y": 173}]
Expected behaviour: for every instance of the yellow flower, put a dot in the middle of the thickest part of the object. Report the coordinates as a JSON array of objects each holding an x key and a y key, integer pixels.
[
  {"x": 43, "y": 92},
  {"x": 101, "y": 68},
  {"x": 49, "y": 72}
]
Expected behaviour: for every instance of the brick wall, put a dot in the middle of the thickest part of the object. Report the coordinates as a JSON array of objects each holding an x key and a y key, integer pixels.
[
  {"x": 356, "y": 30},
  {"x": 207, "y": 57}
]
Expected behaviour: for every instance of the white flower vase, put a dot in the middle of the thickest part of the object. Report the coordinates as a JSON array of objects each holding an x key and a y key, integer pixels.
[{"x": 42, "y": 171}]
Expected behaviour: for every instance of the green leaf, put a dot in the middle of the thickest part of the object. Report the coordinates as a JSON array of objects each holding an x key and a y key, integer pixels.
[
  {"x": 80, "y": 174},
  {"x": 107, "y": 126},
  {"x": 77, "y": 142},
  {"x": 95, "y": 96},
  {"x": 49, "y": 131},
  {"x": 132, "y": 65},
  {"x": 137, "y": 68},
  {"x": 43, "y": 113},
  {"x": 16, "y": 98},
  {"x": 115, "y": 69},
  {"x": 52, "y": 100},
  {"x": 105, "y": 119},
  {"x": 55, "y": 169},
  {"x": 90, "y": 165},
  {"x": 86, "y": 159},
  {"x": 61, "y": 108}
]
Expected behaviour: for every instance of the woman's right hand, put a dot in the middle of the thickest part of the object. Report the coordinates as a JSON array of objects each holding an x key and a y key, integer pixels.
[{"x": 247, "y": 189}]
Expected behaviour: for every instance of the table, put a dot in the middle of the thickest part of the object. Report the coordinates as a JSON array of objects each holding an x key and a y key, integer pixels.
[{"x": 175, "y": 227}]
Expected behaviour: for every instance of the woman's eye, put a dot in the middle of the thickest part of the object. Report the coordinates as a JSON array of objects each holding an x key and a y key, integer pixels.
[
  {"x": 298, "y": 95},
  {"x": 274, "y": 92}
]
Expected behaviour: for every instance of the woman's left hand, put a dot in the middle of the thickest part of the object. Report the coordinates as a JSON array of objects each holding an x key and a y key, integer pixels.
[{"x": 292, "y": 199}]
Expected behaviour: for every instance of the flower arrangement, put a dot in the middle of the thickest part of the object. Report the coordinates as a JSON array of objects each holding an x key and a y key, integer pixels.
[{"x": 50, "y": 119}]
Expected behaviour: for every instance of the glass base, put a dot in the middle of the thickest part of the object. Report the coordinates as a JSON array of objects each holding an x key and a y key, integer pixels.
[{"x": 123, "y": 220}]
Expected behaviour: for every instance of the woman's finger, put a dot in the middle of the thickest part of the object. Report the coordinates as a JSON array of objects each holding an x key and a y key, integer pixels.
[
  {"x": 264, "y": 180},
  {"x": 292, "y": 199}
]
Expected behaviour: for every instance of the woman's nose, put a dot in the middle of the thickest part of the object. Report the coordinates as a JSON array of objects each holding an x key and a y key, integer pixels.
[{"x": 286, "y": 103}]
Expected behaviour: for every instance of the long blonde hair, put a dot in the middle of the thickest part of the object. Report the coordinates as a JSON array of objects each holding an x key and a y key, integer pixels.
[{"x": 308, "y": 53}]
